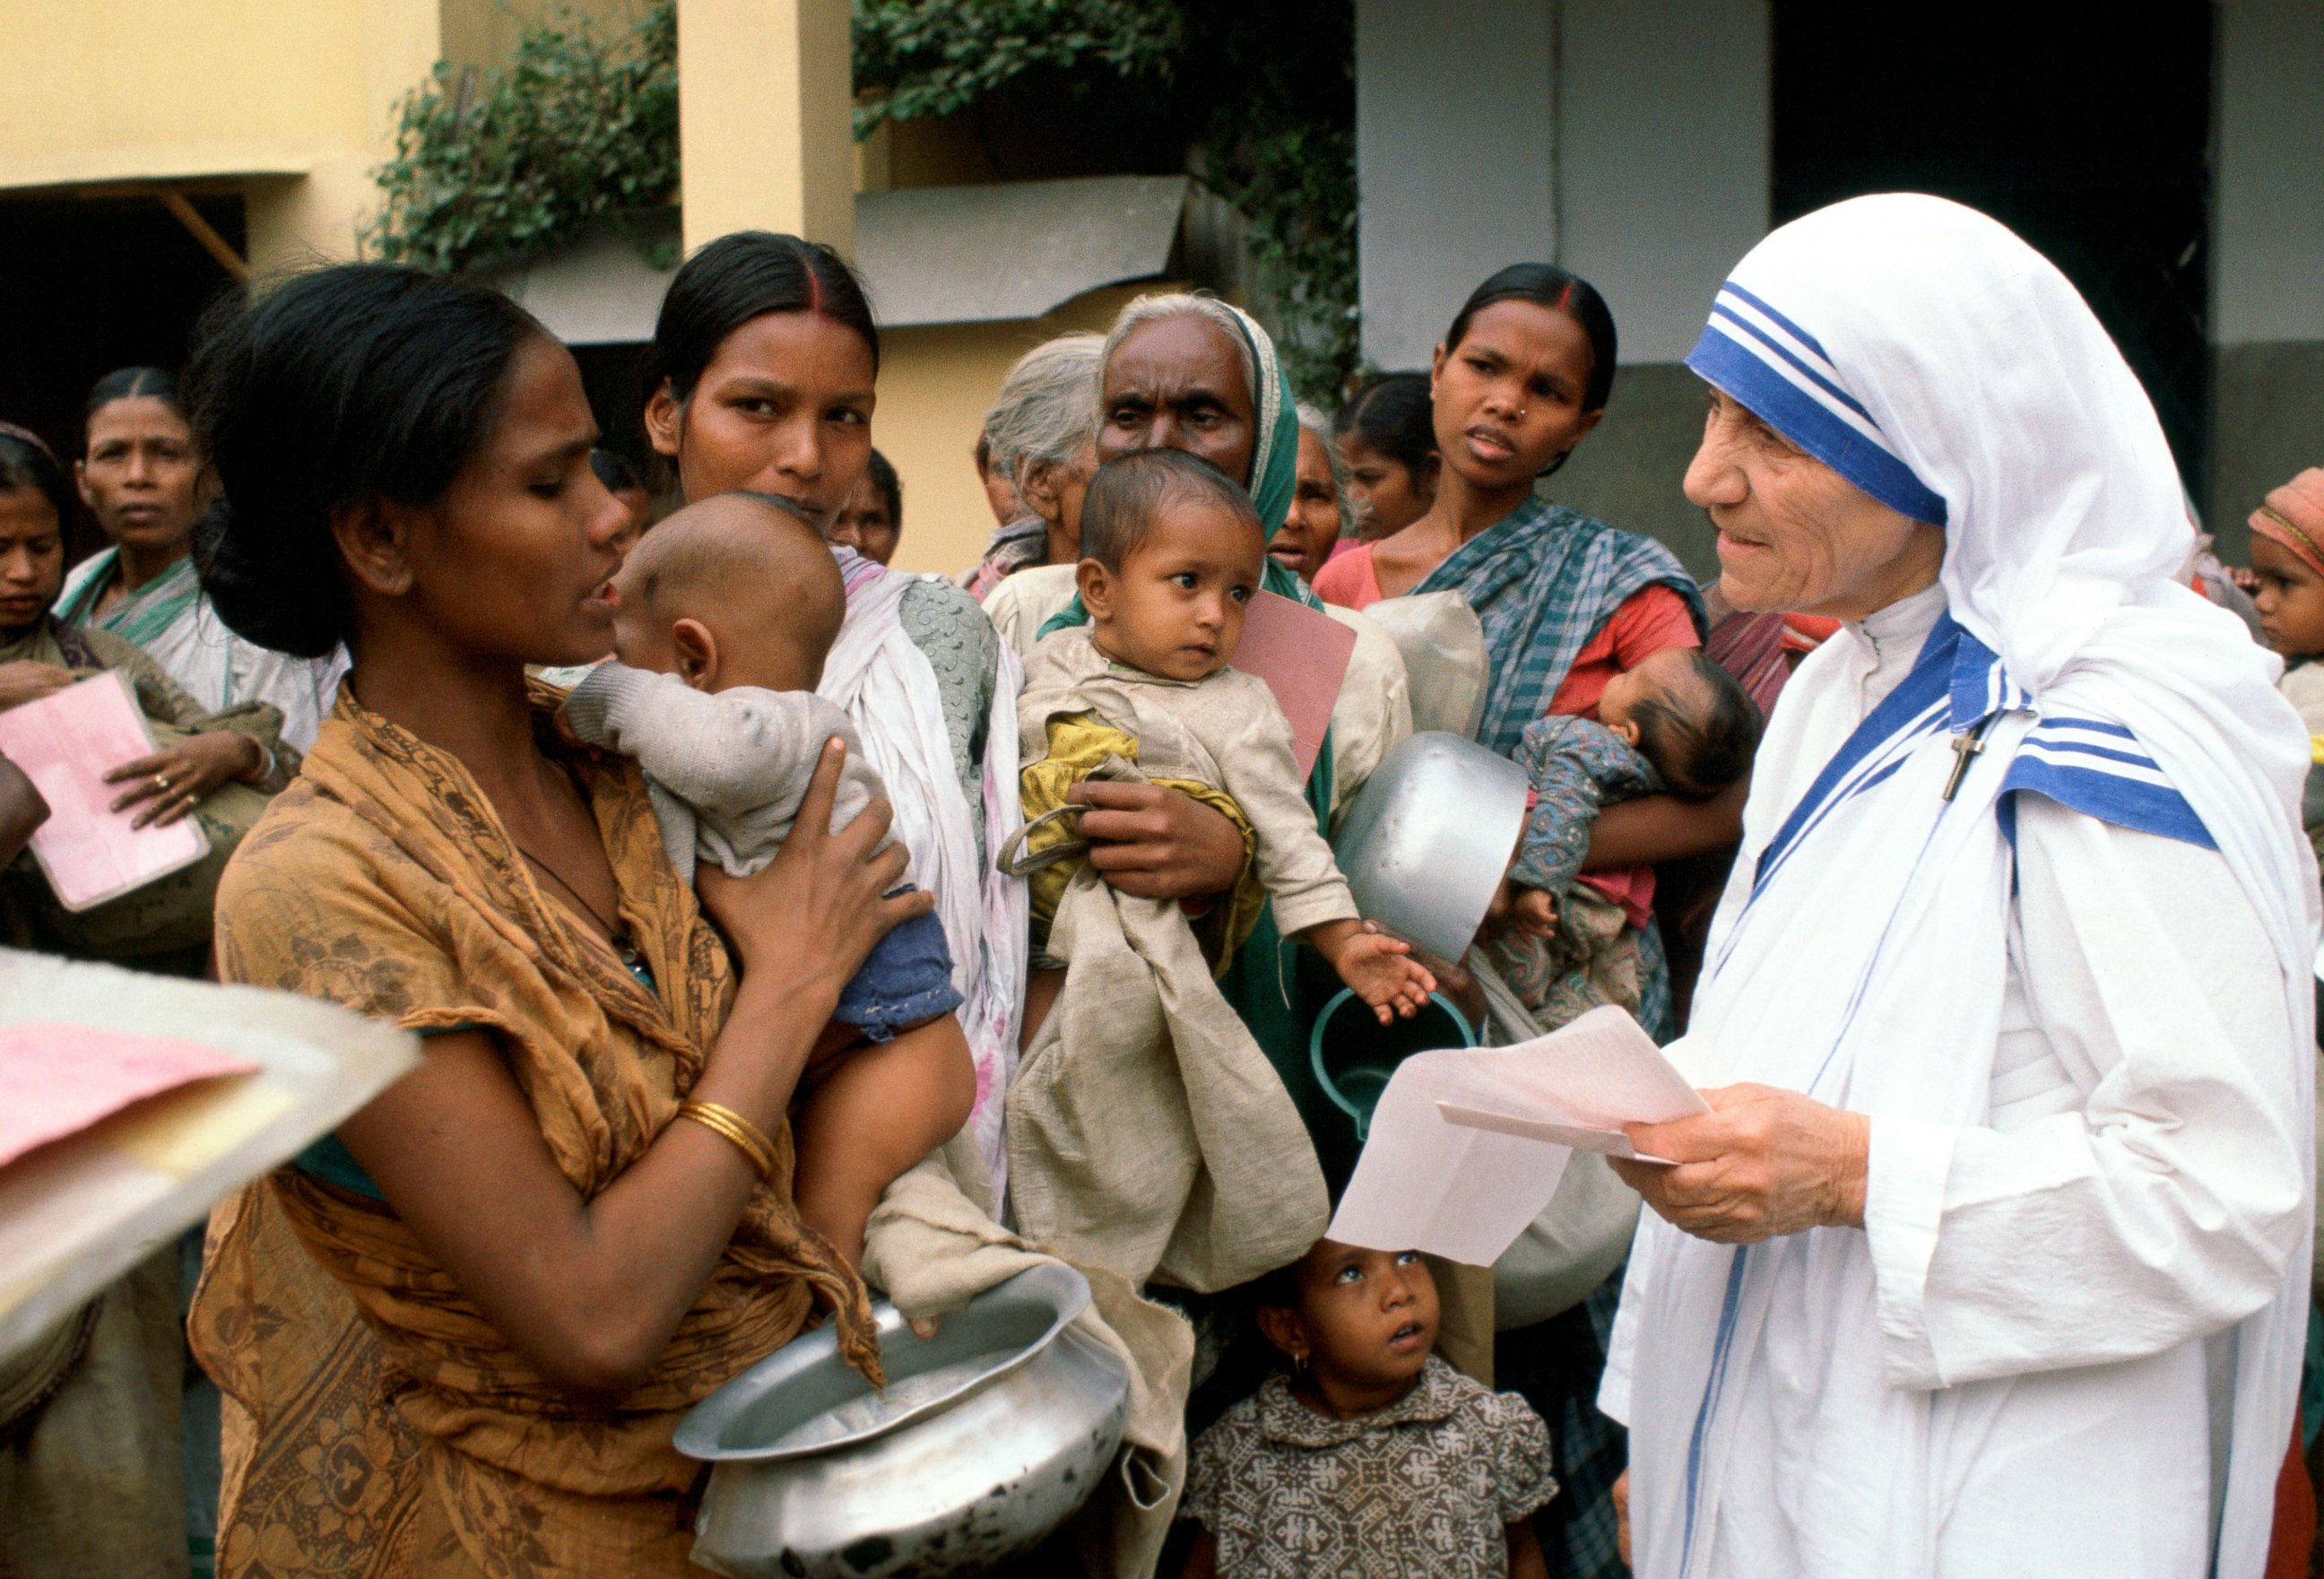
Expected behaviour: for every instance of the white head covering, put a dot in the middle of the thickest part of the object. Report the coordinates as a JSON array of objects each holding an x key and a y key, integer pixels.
[{"x": 1947, "y": 369}]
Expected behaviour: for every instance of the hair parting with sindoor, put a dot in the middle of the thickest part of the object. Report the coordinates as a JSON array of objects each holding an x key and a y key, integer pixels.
[
  {"x": 323, "y": 390},
  {"x": 1560, "y": 291},
  {"x": 744, "y": 276}
]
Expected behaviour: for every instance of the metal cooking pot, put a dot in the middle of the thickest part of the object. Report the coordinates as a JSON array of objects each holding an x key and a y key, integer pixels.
[
  {"x": 1429, "y": 838},
  {"x": 989, "y": 1435}
]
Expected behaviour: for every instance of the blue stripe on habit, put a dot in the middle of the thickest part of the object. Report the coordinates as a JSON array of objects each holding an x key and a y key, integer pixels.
[
  {"x": 1790, "y": 328},
  {"x": 2103, "y": 792},
  {"x": 1736, "y": 367},
  {"x": 1822, "y": 380},
  {"x": 1914, "y": 703}
]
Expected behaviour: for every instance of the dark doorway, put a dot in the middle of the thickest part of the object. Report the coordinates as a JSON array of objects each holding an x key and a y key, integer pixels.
[
  {"x": 2084, "y": 129},
  {"x": 89, "y": 285}
]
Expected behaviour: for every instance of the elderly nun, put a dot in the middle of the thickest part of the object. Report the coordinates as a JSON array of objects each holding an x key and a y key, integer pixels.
[{"x": 1990, "y": 1258}]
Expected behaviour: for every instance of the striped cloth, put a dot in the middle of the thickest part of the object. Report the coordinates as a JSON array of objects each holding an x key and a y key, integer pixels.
[{"x": 1543, "y": 581}]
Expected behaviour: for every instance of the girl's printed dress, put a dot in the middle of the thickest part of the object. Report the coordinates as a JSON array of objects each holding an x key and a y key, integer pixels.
[{"x": 1425, "y": 1488}]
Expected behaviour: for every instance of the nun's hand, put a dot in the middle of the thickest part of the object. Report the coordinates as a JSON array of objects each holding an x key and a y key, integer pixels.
[{"x": 1762, "y": 1161}]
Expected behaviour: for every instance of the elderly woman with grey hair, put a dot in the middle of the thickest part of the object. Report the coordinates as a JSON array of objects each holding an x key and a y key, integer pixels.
[{"x": 1040, "y": 435}]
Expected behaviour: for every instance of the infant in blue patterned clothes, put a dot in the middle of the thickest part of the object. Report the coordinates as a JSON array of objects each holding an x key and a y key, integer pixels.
[
  {"x": 1372, "y": 1457},
  {"x": 1675, "y": 723},
  {"x": 723, "y": 615}
]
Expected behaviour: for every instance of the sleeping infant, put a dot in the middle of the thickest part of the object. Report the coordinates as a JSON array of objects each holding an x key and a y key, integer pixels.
[
  {"x": 1677, "y": 723},
  {"x": 726, "y": 613}
]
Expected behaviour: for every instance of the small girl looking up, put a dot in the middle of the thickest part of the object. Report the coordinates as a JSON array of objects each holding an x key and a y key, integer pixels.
[
  {"x": 1371, "y": 1457},
  {"x": 2287, "y": 556}
]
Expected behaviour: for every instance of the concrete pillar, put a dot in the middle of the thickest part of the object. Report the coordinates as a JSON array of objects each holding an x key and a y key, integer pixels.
[{"x": 765, "y": 90}]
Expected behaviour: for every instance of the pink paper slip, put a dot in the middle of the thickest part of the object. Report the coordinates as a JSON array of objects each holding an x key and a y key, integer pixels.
[
  {"x": 66, "y": 743},
  {"x": 58, "y": 1080},
  {"x": 1303, "y": 656}
]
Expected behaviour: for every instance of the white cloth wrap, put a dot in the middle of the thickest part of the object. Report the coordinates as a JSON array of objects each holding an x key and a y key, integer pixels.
[
  {"x": 1869, "y": 971},
  {"x": 884, "y": 684}
]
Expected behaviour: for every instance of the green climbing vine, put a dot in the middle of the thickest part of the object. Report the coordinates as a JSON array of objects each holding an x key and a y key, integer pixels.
[
  {"x": 501, "y": 166},
  {"x": 1257, "y": 100}
]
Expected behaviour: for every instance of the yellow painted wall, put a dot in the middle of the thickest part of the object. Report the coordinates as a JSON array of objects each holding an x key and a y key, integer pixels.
[
  {"x": 935, "y": 385},
  {"x": 118, "y": 89},
  {"x": 294, "y": 101}
]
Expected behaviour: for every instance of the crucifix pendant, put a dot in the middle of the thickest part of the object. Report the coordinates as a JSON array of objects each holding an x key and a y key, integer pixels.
[{"x": 1966, "y": 745}]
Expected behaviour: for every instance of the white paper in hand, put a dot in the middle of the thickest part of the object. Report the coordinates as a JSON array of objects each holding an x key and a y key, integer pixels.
[{"x": 1467, "y": 1146}]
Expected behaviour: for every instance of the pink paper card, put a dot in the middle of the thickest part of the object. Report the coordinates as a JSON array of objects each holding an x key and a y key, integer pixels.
[
  {"x": 58, "y": 1080},
  {"x": 66, "y": 743},
  {"x": 1303, "y": 656}
]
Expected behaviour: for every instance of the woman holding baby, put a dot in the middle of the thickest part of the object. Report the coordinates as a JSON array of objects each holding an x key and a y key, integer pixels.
[{"x": 483, "y": 1305}]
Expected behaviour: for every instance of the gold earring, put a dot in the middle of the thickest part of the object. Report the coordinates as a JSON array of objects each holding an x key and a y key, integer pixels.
[{"x": 1299, "y": 1363}]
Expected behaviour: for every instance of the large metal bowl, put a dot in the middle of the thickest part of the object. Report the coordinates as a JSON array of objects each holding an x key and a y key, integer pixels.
[
  {"x": 990, "y": 1434},
  {"x": 1429, "y": 838}
]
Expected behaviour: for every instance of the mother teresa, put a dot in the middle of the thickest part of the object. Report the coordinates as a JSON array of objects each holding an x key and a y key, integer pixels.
[{"x": 1992, "y": 1256}]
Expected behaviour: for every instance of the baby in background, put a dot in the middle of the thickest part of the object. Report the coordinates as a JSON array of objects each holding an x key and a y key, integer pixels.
[
  {"x": 1676, "y": 722},
  {"x": 1172, "y": 552},
  {"x": 725, "y": 614},
  {"x": 1371, "y": 1455}
]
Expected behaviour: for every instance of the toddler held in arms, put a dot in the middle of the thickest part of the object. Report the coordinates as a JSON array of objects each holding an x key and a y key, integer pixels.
[
  {"x": 723, "y": 616},
  {"x": 1676, "y": 722},
  {"x": 1371, "y": 1457},
  {"x": 1172, "y": 552}
]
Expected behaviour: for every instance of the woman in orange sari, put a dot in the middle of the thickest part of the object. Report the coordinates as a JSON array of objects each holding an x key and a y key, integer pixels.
[{"x": 454, "y": 1338}]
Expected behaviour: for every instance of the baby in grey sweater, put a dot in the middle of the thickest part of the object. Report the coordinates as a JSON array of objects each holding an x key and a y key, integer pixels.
[{"x": 726, "y": 613}]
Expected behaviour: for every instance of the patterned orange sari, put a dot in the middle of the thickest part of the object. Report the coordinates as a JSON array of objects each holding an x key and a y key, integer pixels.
[{"x": 375, "y": 1423}]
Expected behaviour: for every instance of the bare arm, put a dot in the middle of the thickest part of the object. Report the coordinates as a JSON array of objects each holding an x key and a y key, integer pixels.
[
  {"x": 22, "y": 811},
  {"x": 1656, "y": 829},
  {"x": 1526, "y": 1561},
  {"x": 591, "y": 1290}
]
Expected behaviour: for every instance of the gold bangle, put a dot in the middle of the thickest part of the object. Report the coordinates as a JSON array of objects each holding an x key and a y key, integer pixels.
[{"x": 746, "y": 1136}]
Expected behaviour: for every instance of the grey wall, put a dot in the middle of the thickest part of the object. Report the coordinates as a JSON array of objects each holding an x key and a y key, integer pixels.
[
  {"x": 1455, "y": 159},
  {"x": 2267, "y": 317},
  {"x": 1625, "y": 139},
  {"x": 1662, "y": 171}
]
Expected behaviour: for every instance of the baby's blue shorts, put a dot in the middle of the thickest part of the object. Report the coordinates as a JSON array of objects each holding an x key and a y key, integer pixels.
[{"x": 905, "y": 979}]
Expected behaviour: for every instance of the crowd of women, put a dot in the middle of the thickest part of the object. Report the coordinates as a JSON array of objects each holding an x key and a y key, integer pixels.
[{"x": 349, "y": 567}]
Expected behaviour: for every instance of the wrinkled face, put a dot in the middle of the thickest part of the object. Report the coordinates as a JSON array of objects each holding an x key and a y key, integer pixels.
[
  {"x": 2291, "y": 599},
  {"x": 1370, "y": 1315},
  {"x": 31, "y": 559},
  {"x": 1508, "y": 396},
  {"x": 143, "y": 479},
  {"x": 1176, "y": 607},
  {"x": 1177, "y": 383},
  {"x": 1305, "y": 539},
  {"x": 784, "y": 408},
  {"x": 1793, "y": 534},
  {"x": 510, "y": 563},
  {"x": 865, "y": 523},
  {"x": 1382, "y": 492}
]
